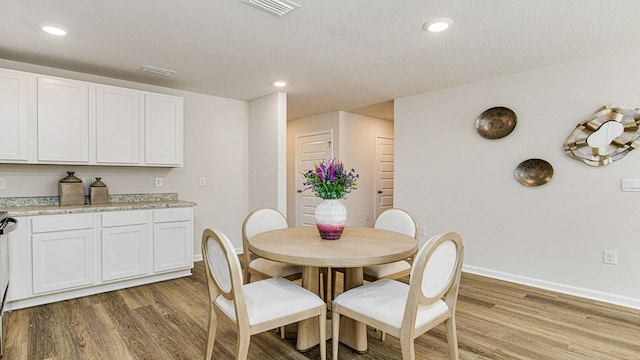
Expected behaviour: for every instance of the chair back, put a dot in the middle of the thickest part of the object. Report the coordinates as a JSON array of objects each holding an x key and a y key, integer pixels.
[
  {"x": 435, "y": 274},
  {"x": 224, "y": 273},
  {"x": 256, "y": 222},
  {"x": 397, "y": 220}
]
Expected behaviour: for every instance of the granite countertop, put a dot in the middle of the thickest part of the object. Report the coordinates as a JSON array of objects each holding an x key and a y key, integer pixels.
[{"x": 48, "y": 205}]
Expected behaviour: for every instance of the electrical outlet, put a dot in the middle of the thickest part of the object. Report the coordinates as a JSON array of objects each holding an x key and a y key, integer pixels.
[
  {"x": 3, "y": 184},
  {"x": 159, "y": 182},
  {"x": 203, "y": 181},
  {"x": 610, "y": 257},
  {"x": 423, "y": 231},
  {"x": 366, "y": 217}
]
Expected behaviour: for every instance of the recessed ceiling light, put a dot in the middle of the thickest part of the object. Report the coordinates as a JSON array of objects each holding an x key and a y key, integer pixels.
[
  {"x": 54, "y": 30},
  {"x": 280, "y": 84},
  {"x": 437, "y": 25}
]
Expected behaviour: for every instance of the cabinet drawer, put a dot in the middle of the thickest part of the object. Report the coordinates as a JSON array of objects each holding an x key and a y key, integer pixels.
[
  {"x": 49, "y": 223},
  {"x": 170, "y": 215},
  {"x": 124, "y": 218}
]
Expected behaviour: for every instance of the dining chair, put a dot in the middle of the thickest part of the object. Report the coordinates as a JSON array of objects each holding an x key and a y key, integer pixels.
[
  {"x": 256, "y": 222},
  {"x": 407, "y": 311},
  {"x": 397, "y": 220},
  {"x": 256, "y": 307}
]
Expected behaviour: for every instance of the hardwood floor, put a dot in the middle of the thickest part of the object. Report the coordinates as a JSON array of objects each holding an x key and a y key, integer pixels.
[{"x": 168, "y": 320}]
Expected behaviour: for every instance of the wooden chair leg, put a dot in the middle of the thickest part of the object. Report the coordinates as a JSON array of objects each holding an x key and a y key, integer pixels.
[
  {"x": 335, "y": 335},
  {"x": 211, "y": 336},
  {"x": 407, "y": 346},
  {"x": 282, "y": 332},
  {"x": 322, "y": 320},
  {"x": 452, "y": 338},
  {"x": 242, "y": 346}
]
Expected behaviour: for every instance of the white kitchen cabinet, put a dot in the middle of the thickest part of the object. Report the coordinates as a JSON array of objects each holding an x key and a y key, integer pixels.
[
  {"x": 58, "y": 257},
  {"x": 118, "y": 125},
  {"x": 64, "y": 254},
  {"x": 172, "y": 239},
  {"x": 49, "y": 120},
  {"x": 163, "y": 130},
  {"x": 125, "y": 242},
  {"x": 13, "y": 114},
  {"x": 63, "y": 121}
]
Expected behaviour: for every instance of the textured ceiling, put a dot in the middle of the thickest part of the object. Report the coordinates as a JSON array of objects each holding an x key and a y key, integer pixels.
[{"x": 335, "y": 54}]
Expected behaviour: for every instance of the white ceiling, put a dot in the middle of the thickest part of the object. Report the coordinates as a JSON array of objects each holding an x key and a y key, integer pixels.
[{"x": 335, "y": 54}]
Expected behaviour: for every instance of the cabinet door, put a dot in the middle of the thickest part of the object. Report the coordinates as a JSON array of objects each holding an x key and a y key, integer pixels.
[
  {"x": 63, "y": 260},
  {"x": 118, "y": 123},
  {"x": 172, "y": 245},
  {"x": 124, "y": 252},
  {"x": 163, "y": 130},
  {"x": 63, "y": 120},
  {"x": 13, "y": 114}
]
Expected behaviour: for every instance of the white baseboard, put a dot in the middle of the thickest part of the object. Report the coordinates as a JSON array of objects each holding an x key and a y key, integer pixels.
[
  {"x": 560, "y": 288},
  {"x": 36, "y": 300}
]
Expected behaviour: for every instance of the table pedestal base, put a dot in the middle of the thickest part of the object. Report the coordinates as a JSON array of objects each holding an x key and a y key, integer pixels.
[{"x": 352, "y": 333}]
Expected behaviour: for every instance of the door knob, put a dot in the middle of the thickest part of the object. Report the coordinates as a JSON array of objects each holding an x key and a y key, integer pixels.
[
  {"x": 379, "y": 191},
  {"x": 298, "y": 191}
]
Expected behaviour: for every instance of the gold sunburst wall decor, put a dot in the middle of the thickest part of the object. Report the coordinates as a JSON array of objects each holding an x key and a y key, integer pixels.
[{"x": 609, "y": 134}]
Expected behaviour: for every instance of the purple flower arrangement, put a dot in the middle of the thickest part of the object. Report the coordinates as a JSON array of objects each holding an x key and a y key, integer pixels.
[{"x": 330, "y": 180}]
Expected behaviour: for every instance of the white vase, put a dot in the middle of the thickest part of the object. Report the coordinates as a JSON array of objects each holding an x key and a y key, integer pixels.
[{"x": 331, "y": 217}]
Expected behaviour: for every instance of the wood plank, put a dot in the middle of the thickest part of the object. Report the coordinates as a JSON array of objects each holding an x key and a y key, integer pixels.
[{"x": 496, "y": 320}]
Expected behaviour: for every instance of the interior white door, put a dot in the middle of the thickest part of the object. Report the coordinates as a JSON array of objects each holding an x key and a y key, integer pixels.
[
  {"x": 310, "y": 149},
  {"x": 384, "y": 175}
]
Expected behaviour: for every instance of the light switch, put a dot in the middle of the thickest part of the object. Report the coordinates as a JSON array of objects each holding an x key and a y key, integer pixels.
[{"x": 630, "y": 184}]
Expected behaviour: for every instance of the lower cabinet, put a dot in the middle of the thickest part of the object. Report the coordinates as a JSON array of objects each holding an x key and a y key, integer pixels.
[
  {"x": 63, "y": 260},
  {"x": 172, "y": 239},
  {"x": 125, "y": 242},
  {"x": 63, "y": 252},
  {"x": 57, "y": 257}
]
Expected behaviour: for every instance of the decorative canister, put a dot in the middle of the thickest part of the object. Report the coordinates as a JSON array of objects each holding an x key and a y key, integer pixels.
[
  {"x": 98, "y": 192},
  {"x": 71, "y": 190},
  {"x": 331, "y": 217}
]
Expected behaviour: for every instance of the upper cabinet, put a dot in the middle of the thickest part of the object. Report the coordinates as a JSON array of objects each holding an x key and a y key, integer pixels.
[
  {"x": 13, "y": 116},
  {"x": 48, "y": 120},
  {"x": 63, "y": 121},
  {"x": 118, "y": 123},
  {"x": 163, "y": 129}
]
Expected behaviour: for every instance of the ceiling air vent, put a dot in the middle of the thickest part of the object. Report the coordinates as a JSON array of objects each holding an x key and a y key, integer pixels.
[
  {"x": 274, "y": 7},
  {"x": 156, "y": 70}
]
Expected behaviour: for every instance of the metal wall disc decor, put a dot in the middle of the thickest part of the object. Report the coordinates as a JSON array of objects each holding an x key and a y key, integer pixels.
[
  {"x": 534, "y": 172},
  {"x": 496, "y": 122},
  {"x": 609, "y": 134}
]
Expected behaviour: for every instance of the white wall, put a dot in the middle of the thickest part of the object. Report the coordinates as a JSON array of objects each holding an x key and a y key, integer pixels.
[
  {"x": 358, "y": 144},
  {"x": 267, "y": 152},
  {"x": 354, "y": 144},
  {"x": 450, "y": 178},
  {"x": 215, "y": 146}
]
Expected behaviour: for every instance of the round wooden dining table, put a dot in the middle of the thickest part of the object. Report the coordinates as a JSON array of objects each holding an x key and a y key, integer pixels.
[{"x": 356, "y": 248}]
